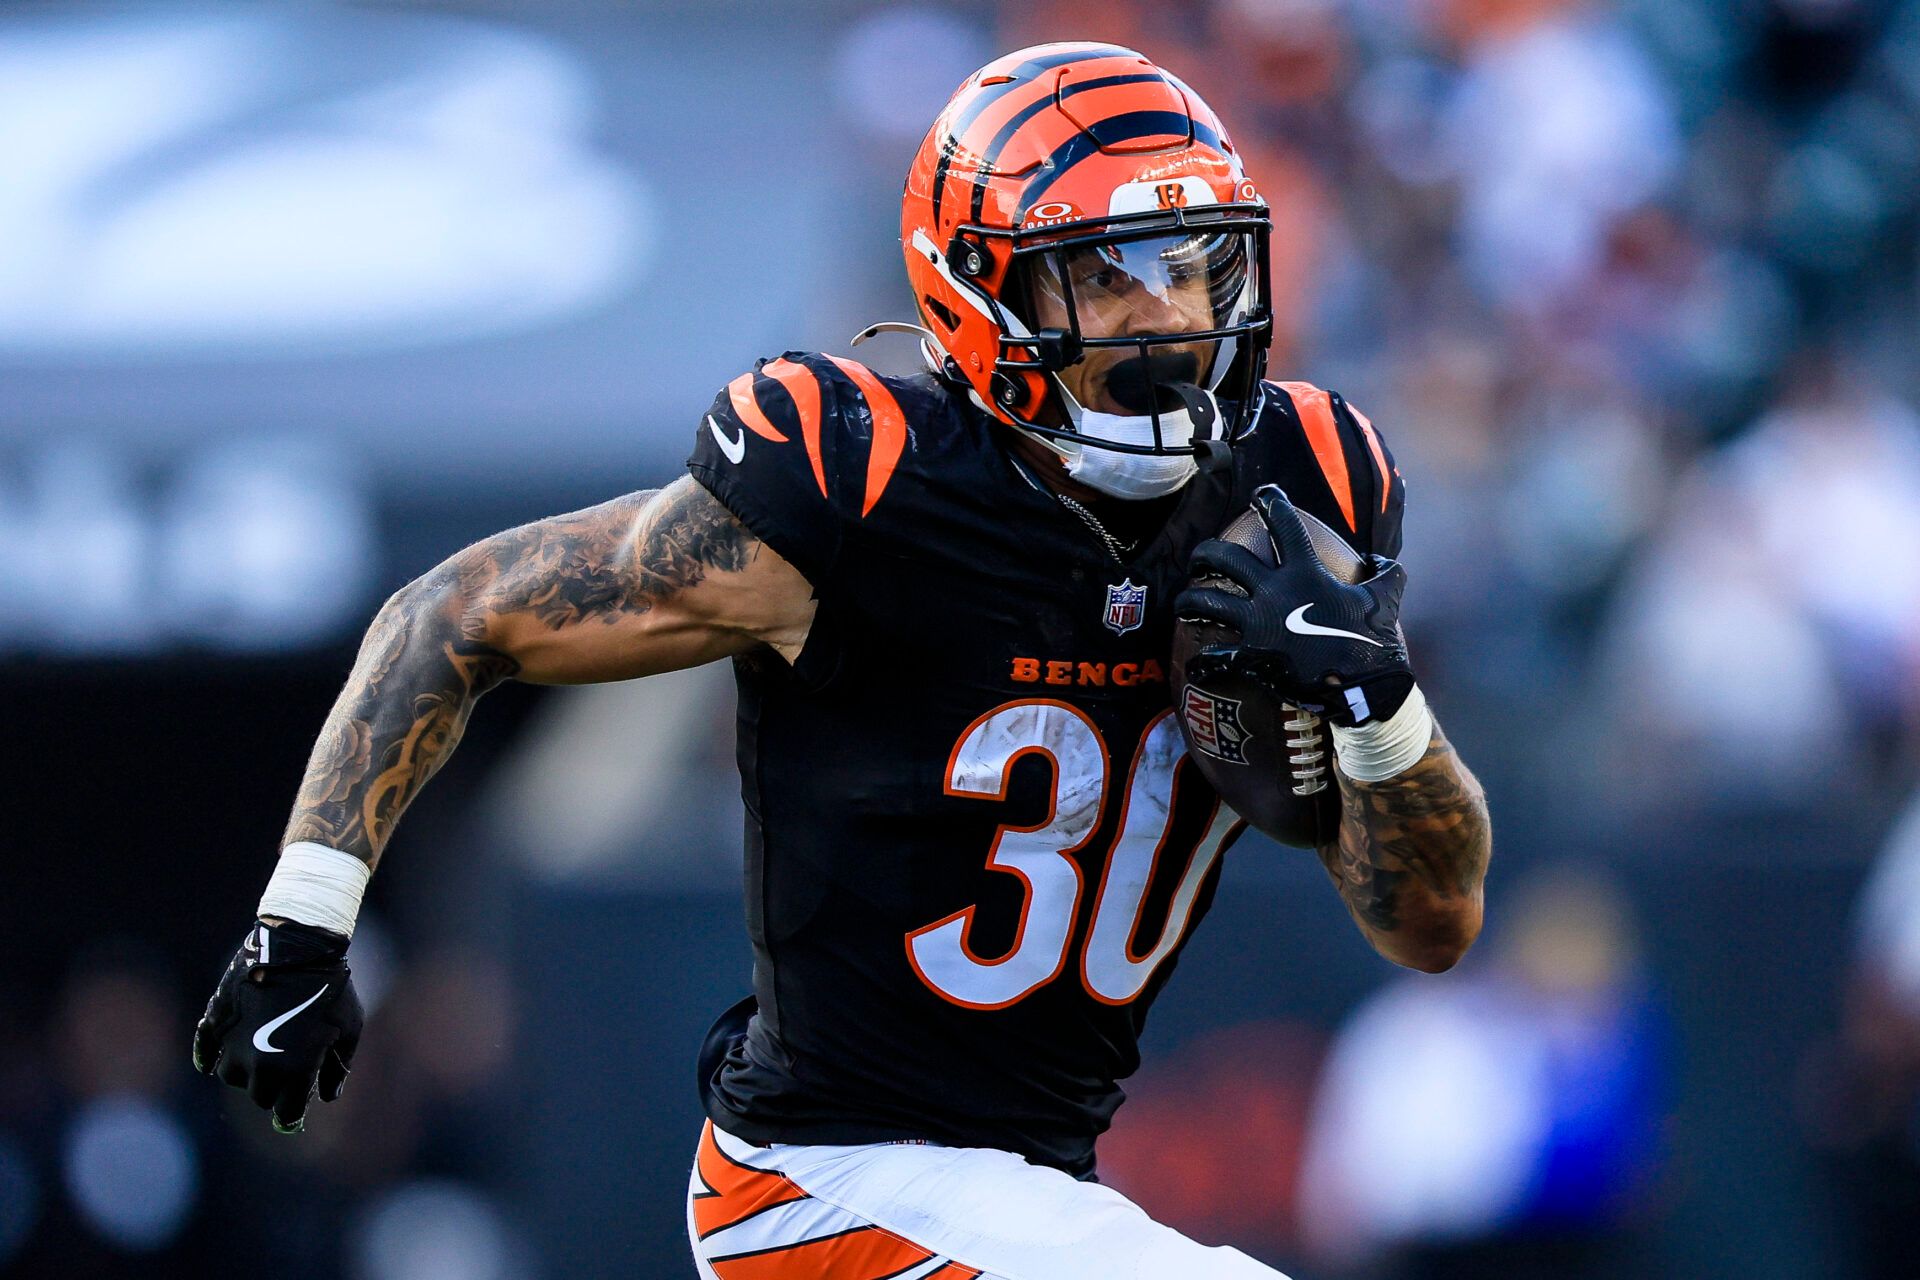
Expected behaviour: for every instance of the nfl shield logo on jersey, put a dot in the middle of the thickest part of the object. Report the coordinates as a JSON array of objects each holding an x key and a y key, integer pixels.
[
  {"x": 1213, "y": 725},
  {"x": 1126, "y": 607}
]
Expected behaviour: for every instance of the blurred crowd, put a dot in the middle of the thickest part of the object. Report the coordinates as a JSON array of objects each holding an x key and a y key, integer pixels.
[
  {"x": 116, "y": 1162},
  {"x": 1632, "y": 289},
  {"x": 1509, "y": 1122}
]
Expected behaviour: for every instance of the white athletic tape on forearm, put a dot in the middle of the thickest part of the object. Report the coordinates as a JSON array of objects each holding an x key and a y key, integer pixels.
[
  {"x": 1378, "y": 751},
  {"x": 315, "y": 885}
]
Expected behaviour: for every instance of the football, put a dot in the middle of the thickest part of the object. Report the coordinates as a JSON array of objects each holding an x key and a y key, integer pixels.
[{"x": 1268, "y": 759}]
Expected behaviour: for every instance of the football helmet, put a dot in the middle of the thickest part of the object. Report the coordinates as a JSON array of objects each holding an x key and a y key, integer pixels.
[{"x": 1077, "y": 210}]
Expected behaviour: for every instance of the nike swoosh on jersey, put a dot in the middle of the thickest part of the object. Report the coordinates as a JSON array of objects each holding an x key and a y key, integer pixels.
[
  {"x": 735, "y": 449},
  {"x": 1298, "y": 624},
  {"x": 262, "y": 1037}
]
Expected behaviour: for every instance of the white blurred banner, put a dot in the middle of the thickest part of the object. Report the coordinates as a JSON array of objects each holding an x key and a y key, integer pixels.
[{"x": 235, "y": 182}]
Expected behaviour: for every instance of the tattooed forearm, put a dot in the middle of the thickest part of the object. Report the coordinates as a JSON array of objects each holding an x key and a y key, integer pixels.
[
  {"x": 435, "y": 647},
  {"x": 394, "y": 724},
  {"x": 1411, "y": 857}
]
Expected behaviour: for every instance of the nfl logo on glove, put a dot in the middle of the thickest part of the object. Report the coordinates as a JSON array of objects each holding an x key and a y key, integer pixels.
[{"x": 1126, "y": 607}]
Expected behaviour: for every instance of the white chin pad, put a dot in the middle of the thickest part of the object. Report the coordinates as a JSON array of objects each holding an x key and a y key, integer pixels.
[{"x": 1132, "y": 475}]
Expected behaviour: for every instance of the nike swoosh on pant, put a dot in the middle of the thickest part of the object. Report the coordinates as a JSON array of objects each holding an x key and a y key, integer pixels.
[
  {"x": 1298, "y": 624},
  {"x": 262, "y": 1037},
  {"x": 735, "y": 449}
]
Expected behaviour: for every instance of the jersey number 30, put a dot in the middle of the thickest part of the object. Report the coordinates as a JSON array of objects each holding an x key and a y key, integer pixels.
[{"x": 1042, "y": 857}]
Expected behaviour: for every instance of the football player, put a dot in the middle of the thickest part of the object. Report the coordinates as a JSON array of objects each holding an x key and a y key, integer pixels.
[{"x": 975, "y": 842}]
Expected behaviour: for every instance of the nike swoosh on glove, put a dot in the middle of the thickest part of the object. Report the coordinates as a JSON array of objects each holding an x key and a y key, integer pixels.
[
  {"x": 284, "y": 1021},
  {"x": 1304, "y": 634}
]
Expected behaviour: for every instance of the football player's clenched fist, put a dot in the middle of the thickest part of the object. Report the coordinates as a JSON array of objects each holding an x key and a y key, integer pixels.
[
  {"x": 1312, "y": 638},
  {"x": 284, "y": 1021}
]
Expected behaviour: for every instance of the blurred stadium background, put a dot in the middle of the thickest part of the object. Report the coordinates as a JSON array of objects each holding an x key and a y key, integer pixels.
[{"x": 296, "y": 298}]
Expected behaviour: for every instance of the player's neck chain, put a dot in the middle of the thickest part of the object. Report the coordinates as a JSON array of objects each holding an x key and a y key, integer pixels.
[{"x": 1117, "y": 549}]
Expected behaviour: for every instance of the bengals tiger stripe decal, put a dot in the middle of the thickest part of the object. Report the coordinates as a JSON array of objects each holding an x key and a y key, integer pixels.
[
  {"x": 758, "y": 1224},
  {"x": 734, "y": 1192},
  {"x": 1018, "y": 93},
  {"x": 857, "y": 1253},
  {"x": 889, "y": 429},
  {"x": 1315, "y": 408},
  {"x": 803, "y": 384},
  {"x": 1036, "y": 115},
  {"x": 1379, "y": 454},
  {"x": 1063, "y": 125},
  {"x": 747, "y": 408}
]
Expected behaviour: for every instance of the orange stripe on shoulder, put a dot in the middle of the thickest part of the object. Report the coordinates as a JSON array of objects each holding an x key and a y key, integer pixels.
[
  {"x": 735, "y": 1191},
  {"x": 804, "y": 386},
  {"x": 954, "y": 1271},
  {"x": 889, "y": 429},
  {"x": 865, "y": 1253},
  {"x": 1379, "y": 454},
  {"x": 1323, "y": 433},
  {"x": 747, "y": 409}
]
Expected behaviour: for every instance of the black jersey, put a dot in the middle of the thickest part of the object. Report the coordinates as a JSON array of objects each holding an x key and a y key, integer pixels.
[{"x": 974, "y": 845}]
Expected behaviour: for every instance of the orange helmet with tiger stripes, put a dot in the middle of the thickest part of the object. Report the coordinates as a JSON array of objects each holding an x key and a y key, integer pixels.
[{"x": 1088, "y": 150}]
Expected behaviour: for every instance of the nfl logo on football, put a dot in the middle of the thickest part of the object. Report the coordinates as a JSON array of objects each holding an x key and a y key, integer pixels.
[
  {"x": 1126, "y": 607},
  {"x": 1213, "y": 725}
]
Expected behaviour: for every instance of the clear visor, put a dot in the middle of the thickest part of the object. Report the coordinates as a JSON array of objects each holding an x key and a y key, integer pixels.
[
  {"x": 1188, "y": 282},
  {"x": 1128, "y": 304}
]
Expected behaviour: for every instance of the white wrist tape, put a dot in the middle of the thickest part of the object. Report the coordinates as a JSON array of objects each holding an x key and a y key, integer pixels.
[
  {"x": 315, "y": 885},
  {"x": 1380, "y": 750}
]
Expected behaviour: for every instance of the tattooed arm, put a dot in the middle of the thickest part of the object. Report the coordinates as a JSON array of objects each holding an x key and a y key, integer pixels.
[
  {"x": 646, "y": 583},
  {"x": 1410, "y": 860}
]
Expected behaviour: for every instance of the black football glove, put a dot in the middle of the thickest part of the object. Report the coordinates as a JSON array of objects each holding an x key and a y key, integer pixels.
[
  {"x": 283, "y": 1022},
  {"x": 1304, "y": 634}
]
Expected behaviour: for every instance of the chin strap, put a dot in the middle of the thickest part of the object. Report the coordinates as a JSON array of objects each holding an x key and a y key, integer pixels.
[{"x": 1203, "y": 410}]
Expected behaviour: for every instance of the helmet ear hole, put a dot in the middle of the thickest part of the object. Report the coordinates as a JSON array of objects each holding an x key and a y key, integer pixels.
[{"x": 941, "y": 313}]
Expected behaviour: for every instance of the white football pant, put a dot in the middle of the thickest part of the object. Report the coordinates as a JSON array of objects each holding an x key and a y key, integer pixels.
[{"x": 914, "y": 1211}]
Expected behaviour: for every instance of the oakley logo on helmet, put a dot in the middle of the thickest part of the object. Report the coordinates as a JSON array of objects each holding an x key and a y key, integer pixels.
[{"x": 1052, "y": 213}]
